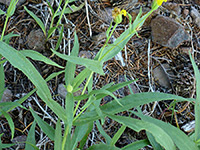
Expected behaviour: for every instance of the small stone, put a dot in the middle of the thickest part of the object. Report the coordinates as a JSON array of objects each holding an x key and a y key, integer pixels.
[
  {"x": 161, "y": 76},
  {"x": 195, "y": 16},
  {"x": 20, "y": 141},
  {"x": 7, "y": 96},
  {"x": 167, "y": 32},
  {"x": 62, "y": 91},
  {"x": 36, "y": 40},
  {"x": 185, "y": 12}
]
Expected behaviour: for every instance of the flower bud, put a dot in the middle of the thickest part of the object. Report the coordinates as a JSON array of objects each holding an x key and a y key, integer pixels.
[
  {"x": 117, "y": 15},
  {"x": 69, "y": 88}
]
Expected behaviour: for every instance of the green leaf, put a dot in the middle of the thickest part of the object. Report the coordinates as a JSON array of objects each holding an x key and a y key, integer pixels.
[
  {"x": 103, "y": 133},
  {"x": 69, "y": 108},
  {"x": 80, "y": 78},
  {"x": 51, "y": 31},
  {"x": 53, "y": 75},
  {"x": 10, "y": 122},
  {"x": 46, "y": 128},
  {"x": 11, "y": 8},
  {"x": 2, "y": 82},
  {"x": 19, "y": 61},
  {"x": 69, "y": 10},
  {"x": 58, "y": 136},
  {"x": 87, "y": 130},
  {"x": 79, "y": 133},
  {"x": 197, "y": 101},
  {"x": 93, "y": 65},
  {"x": 60, "y": 37},
  {"x": 159, "y": 133},
  {"x": 154, "y": 143},
  {"x": 128, "y": 102},
  {"x": 102, "y": 147},
  {"x": 71, "y": 67},
  {"x": 2, "y": 12},
  {"x": 181, "y": 140},
  {"x": 31, "y": 138},
  {"x": 136, "y": 145},
  {"x": 39, "y": 57},
  {"x": 118, "y": 135},
  {"x": 39, "y": 22}
]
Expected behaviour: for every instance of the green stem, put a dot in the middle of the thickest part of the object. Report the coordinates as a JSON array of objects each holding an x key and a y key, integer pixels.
[
  {"x": 65, "y": 138},
  {"x": 107, "y": 41},
  {"x": 4, "y": 28},
  {"x": 84, "y": 89},
  {"x": 62, "y": 12}
]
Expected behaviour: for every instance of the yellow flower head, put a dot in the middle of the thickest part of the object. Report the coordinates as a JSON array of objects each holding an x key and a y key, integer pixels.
[
  {"x": 117, "y": 15},
  {"x": 159, "y": 2}
]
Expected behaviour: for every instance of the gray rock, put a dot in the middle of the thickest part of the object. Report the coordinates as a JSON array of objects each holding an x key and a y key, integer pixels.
[
  {"x": 167, "y": 32},
  {"x": 7, "y": 2},
  {"x": 7, "y": 96},
  {"x": 36, "y": 40},
  {"x": 62, "y": 91},
  {"x": 20, "y": 141},
  {"x": 160, "y": 74},
  {"x": 195, "y": 16}
]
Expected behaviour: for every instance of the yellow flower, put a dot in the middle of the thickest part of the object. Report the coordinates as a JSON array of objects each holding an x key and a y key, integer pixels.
[
  {"x": 159, "y": 2},
  {"x": 117, "y": 15}
]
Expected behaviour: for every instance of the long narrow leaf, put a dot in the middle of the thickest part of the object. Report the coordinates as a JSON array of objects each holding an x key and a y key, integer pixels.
[
  {"x": 2, "y": 82},
  {"x": 31, "y": 138},
  {"x": 71, "y": 67},
  {"x": 118, "y": 134},
  {"x": 160, "y": 135},
  {"x": 93, "y": 65},
  {"x": 103, "y": 147},
  {"x": 39, "y": 22},
  {"x": 58, "y": 136},
  {"x": 46, "y": 128},
  {"x": 10, "y": 122},
  {"x": 136, "y": 145},
  {"x": 181, "y": 140},
  {"x": 39, "y": 57},
  {"x": 128, "y": 102},
  {"x": 103, "y": 133},
  {"x": 22, "y": 63},
  {"x": 69, "y": 108},
  {"x": 197, "y": 101}
]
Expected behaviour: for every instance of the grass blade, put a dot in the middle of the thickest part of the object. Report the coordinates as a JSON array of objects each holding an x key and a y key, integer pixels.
[
  {"x": 159, "y": 134},
  {"x": 58, "y": 136},
  {"x": 197, "y": 101},
  {"x": 31, "y": 138},
  {"x": 128, "y": 102},
  {"x": 39, "y": 57},
  {"x": 117, "y": 135},
  {"x": 46, "y": 128},
  {"x": 93, "y": 65},
  {"x": 181, "y": 140},
  {"x": 39, "y": 22},
  {"x": 19, "y": 61},
  {"x": 10, "y": 122},
  {"x": 136, "y": 145},
  {"x": 103, "y": 133},
  {"x": 102, "y": 147},
  {"x": 2, "y": 82},
  {"x": 71, "y": 67}
]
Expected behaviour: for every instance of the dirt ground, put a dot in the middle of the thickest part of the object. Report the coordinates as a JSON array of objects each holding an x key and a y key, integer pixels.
[{"x": 157, "y": 68}]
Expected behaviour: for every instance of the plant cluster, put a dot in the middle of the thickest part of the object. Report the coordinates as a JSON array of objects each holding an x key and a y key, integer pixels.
[{"x": 160, "y": 135}]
